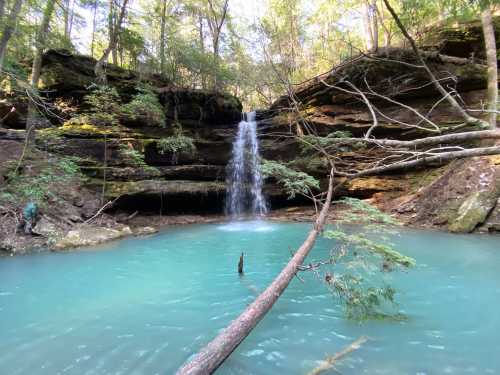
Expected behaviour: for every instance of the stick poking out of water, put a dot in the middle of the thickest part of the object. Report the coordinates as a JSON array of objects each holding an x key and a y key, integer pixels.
[
  {"x": 330, "y": 361},
  {"x": 240, "y": 265}
]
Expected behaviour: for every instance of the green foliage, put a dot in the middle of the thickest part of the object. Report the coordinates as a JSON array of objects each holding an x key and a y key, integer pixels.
[
  {"x": 362, "y": 250},
  {"x": 145, "y": 105},
  {"x": 362, "y": 302},
  {"x": 360, "y": 241},
  {"x": 103, "y": 106},
  {"x": 362, "y": 212},
  {"x": 294, "y": 182},
  {"x": 176, "y": 145},
  {"x": 135, "y": 157},
  {"x": 312, "y": 142}
]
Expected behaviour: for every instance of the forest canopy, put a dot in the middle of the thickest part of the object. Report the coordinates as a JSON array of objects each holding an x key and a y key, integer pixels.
[{"x": 252, "y": 49}]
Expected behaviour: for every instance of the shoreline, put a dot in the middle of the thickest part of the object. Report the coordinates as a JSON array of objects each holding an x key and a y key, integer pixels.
[{"x": 143, "y": 225}]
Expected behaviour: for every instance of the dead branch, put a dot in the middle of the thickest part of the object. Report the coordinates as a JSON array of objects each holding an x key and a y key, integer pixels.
[
  {"x": 440, "y": 158},
  {"x": 331, "y": 360},
  {"x": 457, "y": 107},
  {"x": 428, "y": 141},
  {"x": 102, "y": 209}
]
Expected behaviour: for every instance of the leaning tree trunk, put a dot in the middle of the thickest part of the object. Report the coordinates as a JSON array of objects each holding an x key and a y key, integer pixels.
[
  {"x": 8, "y": 29},
  {"x": 491, "y": 56},
  {"x": 99, "y": 66},
  {"x": 214, "y": 354},
  {"x": 36, "y": 69}
]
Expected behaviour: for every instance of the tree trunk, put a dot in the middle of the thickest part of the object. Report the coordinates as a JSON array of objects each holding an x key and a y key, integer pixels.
[
  {"x": 216, "y": 22},
  {"x": 111, "y": 30},
  {"x": 99, "y": 66},
  {"x": 9, "y": 29},
  {"x": 367, "y": 26},
  {"x": 94, "y": 25},
  {"x": 40, "y": 43},
  {"x": 387, "y": 33},
  {"x": 37, "y": 67},
  {"x": 66, "y": 18},
  {"x": 214, "y": 354},
  {"x": 201, "y": 36},
  {"x": 491, "y": 56},
  {"x": 374, "y": 24},
  {"x": 2, "y": 10},
  {"x": 71, "y": 19},
  {"x": 162, "y": 37}
]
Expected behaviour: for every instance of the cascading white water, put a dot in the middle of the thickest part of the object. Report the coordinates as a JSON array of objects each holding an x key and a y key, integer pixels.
[{"x": 244, "y": 179}]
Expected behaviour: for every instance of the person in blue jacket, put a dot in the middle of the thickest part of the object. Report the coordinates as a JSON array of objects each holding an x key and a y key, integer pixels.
[{"x": 30, "y": 214}]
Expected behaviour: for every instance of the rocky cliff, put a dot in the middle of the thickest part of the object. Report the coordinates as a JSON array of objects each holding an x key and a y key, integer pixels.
[{"x": 462, "y": 196}]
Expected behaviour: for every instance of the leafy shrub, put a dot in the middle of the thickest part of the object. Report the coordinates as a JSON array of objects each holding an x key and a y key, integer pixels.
[
  {"x": 103, "y": 106},
  {"x": 145, "y": 105},
  {"x": 176, "y": 145},
  {"x": 135, "y": 157}
]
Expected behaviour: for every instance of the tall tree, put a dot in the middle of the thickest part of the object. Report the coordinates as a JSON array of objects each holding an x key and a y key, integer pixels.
[
  {"x": 40, "y": 43},
  {"x": 216, "y": 18},
  {"x": 370, "y": 25},
  {"x": 491, "y": 56},
  {"x": 99, "y": 66},
  {"x": 163, "y": 36},
  {"x": 112, "y": 30},
  {"x": 69, "y": 15},
  {"x": 2, "y": 9},
  {"x": 8, "y": 29}
]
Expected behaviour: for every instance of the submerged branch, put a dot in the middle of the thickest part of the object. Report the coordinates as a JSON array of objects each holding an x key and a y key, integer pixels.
[{"x": 330, "y": 361}]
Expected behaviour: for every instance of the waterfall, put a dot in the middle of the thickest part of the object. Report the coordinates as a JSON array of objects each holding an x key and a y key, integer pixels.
[{"x": 244, "y": 179}]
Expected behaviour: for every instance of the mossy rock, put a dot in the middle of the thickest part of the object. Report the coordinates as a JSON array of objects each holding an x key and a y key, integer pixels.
[{"x": 473, "y": 211}]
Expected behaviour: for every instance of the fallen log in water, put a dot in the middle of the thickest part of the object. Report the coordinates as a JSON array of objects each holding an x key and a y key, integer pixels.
[{"x": 215, "y": 353}]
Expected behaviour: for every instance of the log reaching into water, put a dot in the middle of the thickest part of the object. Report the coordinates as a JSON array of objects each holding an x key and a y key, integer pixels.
[
  {"x": 216, "y": 352},
  {"x": 330, "y": 361}
]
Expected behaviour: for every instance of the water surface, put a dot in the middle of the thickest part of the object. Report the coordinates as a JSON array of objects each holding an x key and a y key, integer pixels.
[{"x": 143, "y": 306}]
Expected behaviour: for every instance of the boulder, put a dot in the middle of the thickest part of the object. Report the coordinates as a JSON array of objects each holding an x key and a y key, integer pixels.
[
  {"x": 89, "y": 235},
  {"x": 473, "y": 211}
]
